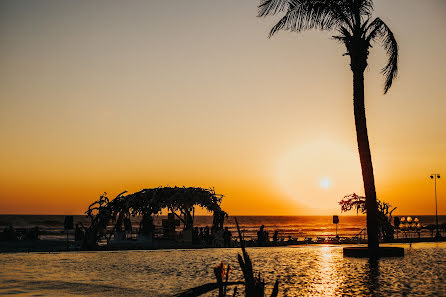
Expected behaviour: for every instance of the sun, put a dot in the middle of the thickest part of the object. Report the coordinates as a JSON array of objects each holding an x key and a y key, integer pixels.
[
  {"x": 317, "y": 173},
  {"x": 325, "y": 183}
]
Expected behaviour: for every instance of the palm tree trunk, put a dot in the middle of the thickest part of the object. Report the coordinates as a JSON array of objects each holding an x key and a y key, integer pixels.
[{"x": 366, "y": 161}]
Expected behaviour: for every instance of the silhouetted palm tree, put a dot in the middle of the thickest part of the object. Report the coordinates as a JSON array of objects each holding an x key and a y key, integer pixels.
[{"x": 356, "y": 29}]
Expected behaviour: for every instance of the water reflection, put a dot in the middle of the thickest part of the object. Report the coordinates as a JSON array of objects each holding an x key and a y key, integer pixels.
[
  {"x": 327, "y": 278},
  {"x": 302, "y": 271},
  {"x": 372, "y": 276}
]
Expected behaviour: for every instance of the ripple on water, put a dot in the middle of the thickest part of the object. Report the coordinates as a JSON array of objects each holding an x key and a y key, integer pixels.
[{"x": 302, "y": 271}]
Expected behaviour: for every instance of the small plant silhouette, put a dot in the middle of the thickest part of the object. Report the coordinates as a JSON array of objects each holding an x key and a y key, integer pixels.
[{"x": 254, "y": 285}]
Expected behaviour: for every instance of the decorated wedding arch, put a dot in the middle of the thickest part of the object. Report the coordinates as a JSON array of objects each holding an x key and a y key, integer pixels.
[{"x": 108, "y": 214}]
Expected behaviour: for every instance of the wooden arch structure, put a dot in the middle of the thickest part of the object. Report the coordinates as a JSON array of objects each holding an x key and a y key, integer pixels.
[{"x": 147, "y": 203}]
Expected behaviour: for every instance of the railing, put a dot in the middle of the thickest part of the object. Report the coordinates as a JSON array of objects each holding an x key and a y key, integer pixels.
[{"x": 361, "y": 235}]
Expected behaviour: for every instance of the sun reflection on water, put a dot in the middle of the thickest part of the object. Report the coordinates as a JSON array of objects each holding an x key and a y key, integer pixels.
[
  {"x": 326, "y": 280},
  {"x": 302, "y": 271}
]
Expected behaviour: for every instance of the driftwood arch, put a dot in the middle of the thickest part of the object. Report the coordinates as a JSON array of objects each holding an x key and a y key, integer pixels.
[{"x": 149, "y": 202}]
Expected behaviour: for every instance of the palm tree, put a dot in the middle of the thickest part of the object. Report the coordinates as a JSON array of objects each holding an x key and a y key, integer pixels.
[{"x": 356, "y": 29}]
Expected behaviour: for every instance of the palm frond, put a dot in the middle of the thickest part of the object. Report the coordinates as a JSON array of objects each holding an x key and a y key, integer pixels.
[
  {"x": 364, "y": 27},
  {"x": 379, "y": 31},
  {"x": 358, "y": 11},
  {"x": 271, "y": 7},
  {"x": 279, "y": 26},
  {"x": 372, "y": 30},
  {"x": 344, "y": 32},
  {"x": 365, "y": 7},
  {"x": 343, "y": 12},
  {"x": 390, "y": 71},
  {"x": 309, "y": 14}
]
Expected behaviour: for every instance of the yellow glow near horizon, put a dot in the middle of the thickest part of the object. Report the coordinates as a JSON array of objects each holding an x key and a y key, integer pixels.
[
  {"x": 300, "y": 168},
  {"x": 108, "y": 96}
]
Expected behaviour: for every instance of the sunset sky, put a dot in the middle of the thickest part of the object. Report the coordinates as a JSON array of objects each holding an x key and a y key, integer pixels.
[{"x": 107, "y": 96}]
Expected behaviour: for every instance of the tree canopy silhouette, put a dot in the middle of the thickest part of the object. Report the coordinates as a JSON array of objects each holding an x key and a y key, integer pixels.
[
  {"x": 354, "y": 26},
  {"x": 149, "y": 202}
]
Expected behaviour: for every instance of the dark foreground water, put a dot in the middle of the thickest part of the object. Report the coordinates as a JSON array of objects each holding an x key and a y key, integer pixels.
[{"x": 302, "y": 271}]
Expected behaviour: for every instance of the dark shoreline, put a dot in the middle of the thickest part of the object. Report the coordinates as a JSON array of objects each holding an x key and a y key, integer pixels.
[{"x": 53, "y": 246}]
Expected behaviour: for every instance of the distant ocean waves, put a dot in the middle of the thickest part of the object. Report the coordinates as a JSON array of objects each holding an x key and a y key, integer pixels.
[{"x": 51, "y": 226}]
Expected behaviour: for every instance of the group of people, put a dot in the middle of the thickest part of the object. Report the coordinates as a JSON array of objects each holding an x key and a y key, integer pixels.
[
  {"x": 203, "y": 235},
  {"x": 11, "y": 234},
  {"x": 263, "y": 237}
]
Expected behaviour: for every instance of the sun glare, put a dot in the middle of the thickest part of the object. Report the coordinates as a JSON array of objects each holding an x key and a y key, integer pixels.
[
  {"x": 318, "y": 173},
  {"x": 325, "y": 183}
]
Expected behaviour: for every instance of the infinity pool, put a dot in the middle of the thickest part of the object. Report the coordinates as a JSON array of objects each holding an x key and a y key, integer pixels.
[{"x": 302, "y": 271}]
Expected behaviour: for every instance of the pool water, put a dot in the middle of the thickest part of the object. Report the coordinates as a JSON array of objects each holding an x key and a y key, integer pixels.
[{"x": 310, "y": 270}]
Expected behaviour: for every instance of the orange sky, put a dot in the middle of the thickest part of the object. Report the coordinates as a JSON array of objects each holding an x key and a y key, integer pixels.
[{"x": 111, "y": 96}]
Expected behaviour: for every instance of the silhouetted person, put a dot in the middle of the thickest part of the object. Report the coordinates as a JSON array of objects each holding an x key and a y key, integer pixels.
[
  {"x": 78, "y": 233},
  {"x": 10, "y": 234},
  {"x": 189, "y": 221},
  {"x": 32, "y": 234},
  {"x": 128, "y": 227},
  {"x": 275, "y": 236},
  {"x": 195, "y": 238},
  {"x": 261, "y": 235},
  {"x": 227, "y": 235},
  {"x": 207, "y": 237},
  {"x": 201, "y": 235},
  {"x": 147, "y": 227},
  {"x": 217, "y": 222}
]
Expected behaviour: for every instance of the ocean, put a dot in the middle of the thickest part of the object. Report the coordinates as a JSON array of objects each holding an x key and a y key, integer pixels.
[{"x": 51, "y": 226}]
